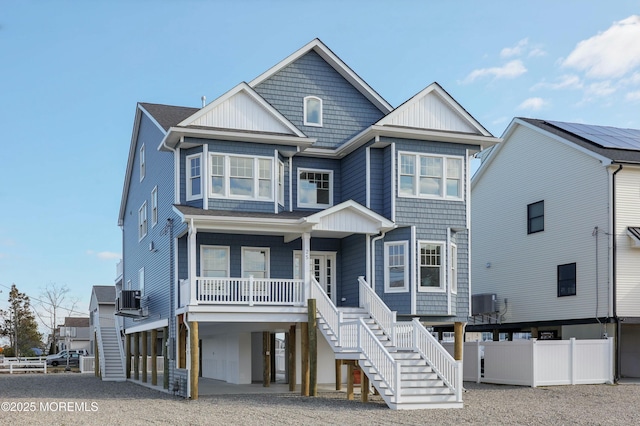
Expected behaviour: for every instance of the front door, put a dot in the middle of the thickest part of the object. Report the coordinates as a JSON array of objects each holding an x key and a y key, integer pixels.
[{"x": 323, "y": 268}]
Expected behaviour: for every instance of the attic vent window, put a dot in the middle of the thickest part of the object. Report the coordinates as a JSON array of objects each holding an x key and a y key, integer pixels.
[{"x": 313, "y": 111}]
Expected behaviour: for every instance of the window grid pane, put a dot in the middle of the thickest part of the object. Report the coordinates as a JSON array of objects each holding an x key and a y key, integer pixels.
[{"x": 315, "y": 188}]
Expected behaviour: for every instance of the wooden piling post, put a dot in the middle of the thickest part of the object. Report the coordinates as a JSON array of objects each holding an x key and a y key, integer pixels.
[
  {"x": 338, "y": 374},
  {"x": 195, "y": 358},
  {"x": 145, "y": 352},
  {"x": 136, "y": 356},
  {"x": 292, "y": 358},
  {"x": 165, "y": 353},
  {"x": 96, "y": 355},
  {"x": 313, "y": 349},
  {"x": 154, "y": 357},
  {"x": 266, "y": 359},
  {"x": 364, "y": 386},
  {"x": 128, "y": 360},
  {"x": 304, "y": 368},
  {"x": 350, "y": 366},
  {"x": 458, "y": 344}
]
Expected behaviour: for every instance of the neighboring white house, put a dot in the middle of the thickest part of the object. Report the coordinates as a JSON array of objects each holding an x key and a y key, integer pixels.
[
  {"x": 556, "y": 214},
  {"x": 102, "y": 307},
  {"x": 74, "y": 334}
]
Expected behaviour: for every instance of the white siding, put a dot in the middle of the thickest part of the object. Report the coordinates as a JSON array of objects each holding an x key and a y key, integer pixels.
[
  {"x": 243, "y": 113},
  {"x": 628, "y": 257},
  {"x": 430, "y": 112},
  {"x": 523, "y": 268}
]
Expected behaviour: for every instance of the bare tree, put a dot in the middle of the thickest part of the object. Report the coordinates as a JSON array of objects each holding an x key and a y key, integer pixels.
[{"x": 54, "y": 299}]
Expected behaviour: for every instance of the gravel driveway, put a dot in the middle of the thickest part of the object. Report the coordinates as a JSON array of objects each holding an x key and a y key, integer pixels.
[{"x": 69, "y": 398}]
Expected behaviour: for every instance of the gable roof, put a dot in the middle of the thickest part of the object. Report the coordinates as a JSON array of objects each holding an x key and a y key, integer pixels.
[
  {"x": 105, "y": 294},
  {"x": 433, "y": 108},
  {"x": 242, "y": 108},
  {"x": 559, "y": 133},
  {"x": 167, "y": 116},
  {"x": 336, "y": 63}
]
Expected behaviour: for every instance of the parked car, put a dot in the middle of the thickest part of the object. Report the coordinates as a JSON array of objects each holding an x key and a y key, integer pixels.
[
  {"x": 73, "y": 358},
  {"x": 82, "y": 352}
]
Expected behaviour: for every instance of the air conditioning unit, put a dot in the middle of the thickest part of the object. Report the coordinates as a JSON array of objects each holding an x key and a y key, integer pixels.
[
  {"x": 484, "y": 303},
  {"x": 129, "y": 300}
]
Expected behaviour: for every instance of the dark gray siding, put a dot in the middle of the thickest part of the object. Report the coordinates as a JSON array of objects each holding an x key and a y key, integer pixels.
[
  {"x": 345, "y": 110},
  {"x": 378, "y": 184}
]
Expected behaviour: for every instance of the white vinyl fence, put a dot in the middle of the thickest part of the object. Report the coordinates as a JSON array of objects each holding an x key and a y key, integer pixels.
[
  {"x": 538, "y": 362},
  {"x": 87, "y": 364}
]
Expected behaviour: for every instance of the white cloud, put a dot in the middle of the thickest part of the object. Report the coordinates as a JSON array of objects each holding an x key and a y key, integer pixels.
[
  {"x": 600, "y": 89},
  {"x": 536, "y": 51},
  {"x": 508, "y": 52},
  {"x": 534, "y": 104},
  {"x": 567, "y": 81},
  {"x": 512, "y": 69},
  {"x": 104, "y": 255},
  {"x": 609, "y": 54},
  {"x": 633, "y": 96}
]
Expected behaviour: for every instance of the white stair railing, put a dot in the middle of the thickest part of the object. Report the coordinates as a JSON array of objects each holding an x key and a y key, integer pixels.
[
  {"x": 327, "y": 310},
  {"x": 100, "y": 350},
  {"x": 386, "y": 367},
  {"x": 448, "y": 369},
  {"x": 379, "y": 311}
]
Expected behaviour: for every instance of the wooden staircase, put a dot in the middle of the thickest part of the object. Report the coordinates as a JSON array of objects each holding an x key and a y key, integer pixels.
[{"x": 407, "y": 365}]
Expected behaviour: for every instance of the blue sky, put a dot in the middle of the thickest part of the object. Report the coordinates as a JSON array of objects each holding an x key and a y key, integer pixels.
[{"x": 72, "y": 72}]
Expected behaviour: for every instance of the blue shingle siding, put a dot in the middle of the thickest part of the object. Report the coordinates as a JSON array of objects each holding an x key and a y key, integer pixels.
[
  {"x": 137, "y": 254},
  {"x": 354, "y": 173},
  {"x": 388, "y": 192},
  {"x": 319, "y": 164},
  {"x": 345, "y": 110},
  {"x": 354, "y": 265},
  {"x": 379, "y": 182}
]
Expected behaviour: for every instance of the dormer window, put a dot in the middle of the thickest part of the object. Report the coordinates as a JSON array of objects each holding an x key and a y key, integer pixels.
[{"x": 313, "y": 111}]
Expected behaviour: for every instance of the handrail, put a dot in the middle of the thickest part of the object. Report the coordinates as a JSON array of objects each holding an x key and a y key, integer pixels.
[
  {"x": 327, "y": 310},
  {"x": 251, "y": 291},
  {"x": 379, "y": 311},
  {"x": 380, "y": 359},
  {"x": 444, "y": 365},
  {"x": 119, "y": 333},
  {"x": 103, "y": 368}
]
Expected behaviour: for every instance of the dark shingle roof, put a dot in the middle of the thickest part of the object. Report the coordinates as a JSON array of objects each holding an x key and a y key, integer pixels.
[
  {"x": 76, "y": 321},
  {"x": 105, "y": 293},
  {"x": 168, "y": 115},
  {"x": 615, "y": 154},
  {"x": 195, "y": 211}
]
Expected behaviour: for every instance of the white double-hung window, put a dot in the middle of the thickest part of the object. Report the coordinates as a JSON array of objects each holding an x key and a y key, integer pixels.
[
  {"x": 142, "y": 221},
  {"x": 194, "y": 177},
  {"x": 396, "y": 267},
  {"x": 214, "y": 261},
  {"x": 430, "y": 176},
  {"x": 239, "y": 176},
  {"x": 431, "y": 261}
]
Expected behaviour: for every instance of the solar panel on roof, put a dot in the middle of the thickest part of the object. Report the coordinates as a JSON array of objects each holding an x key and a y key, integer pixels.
[{"x": 605, "y": 136}]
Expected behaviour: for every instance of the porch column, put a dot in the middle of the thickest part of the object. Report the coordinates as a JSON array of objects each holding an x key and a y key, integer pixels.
[
  {"x": 192, "y": 264},
  {"x": 306, "y": 263},
  {"x": 458, "y": 344},
  {"x": 304, "y": 355},
  {"x": 145, "y": 352},
  {"x": 195, "y": 358},
  {"x": 154, "y": 357}
]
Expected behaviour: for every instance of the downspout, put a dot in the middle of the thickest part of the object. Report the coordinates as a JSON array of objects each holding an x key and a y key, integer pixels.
[
  {"x": 446, "y": 270},
  {"x": 614, "y": 272}
]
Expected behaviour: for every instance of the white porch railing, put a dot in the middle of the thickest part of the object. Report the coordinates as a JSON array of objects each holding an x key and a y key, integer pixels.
[
  {"x": 243, "y": 291},
  {"x": 379, "y": 311}
]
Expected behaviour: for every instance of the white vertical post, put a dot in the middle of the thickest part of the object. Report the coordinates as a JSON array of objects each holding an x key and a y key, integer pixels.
[
  {"x": 478, "y": 362},
  {"x": 306, "y": 264},
  {"x": 250, "y": 290},
  {"x": 533, "y": 362},
  {"x": 572, "y": 359},
  {"x": 611, "y": 360},
  {"x": 192, "y": 264}
]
